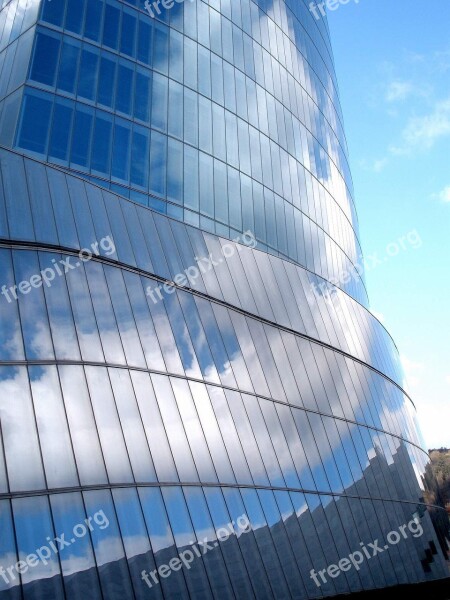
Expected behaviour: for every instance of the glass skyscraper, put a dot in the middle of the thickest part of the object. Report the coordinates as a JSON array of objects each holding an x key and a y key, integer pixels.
[{"x": 195, "y": 401}]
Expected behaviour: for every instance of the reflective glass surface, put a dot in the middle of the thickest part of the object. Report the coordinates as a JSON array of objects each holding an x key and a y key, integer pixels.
[{"x": 195, "y": 401}]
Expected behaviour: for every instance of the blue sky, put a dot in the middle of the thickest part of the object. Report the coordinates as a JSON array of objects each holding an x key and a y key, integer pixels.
[{"x": 393, "y": 67}]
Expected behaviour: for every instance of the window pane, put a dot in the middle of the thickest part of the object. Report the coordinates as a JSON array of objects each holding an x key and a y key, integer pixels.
[
  {"x": 101, "y": 144},
  {"x": 175, "y": 171},
  {"x": 121, "y": 150},
  {"x": 45, "y": 58},
  {"x": 61, "y": 129},
  {"x": 68, "y": 67},
  {"x": 82, "y": 136},
  {"x": 106, "y": 80},
  {"x": 74, "y": 15},
  {"x": 87, "y": 78},
  {"x": 128, "y": 33},
  {"x": 158, "y": 163},
  {"x": 92, "y": 25},
  {"x": 35, "y": 121},
  {"x": 139, "y": 157},
  {"x": 124, "y": 88}
]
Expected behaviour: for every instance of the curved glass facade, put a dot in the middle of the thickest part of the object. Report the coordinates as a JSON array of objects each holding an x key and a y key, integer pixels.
[{"x": 194, "y": 403}]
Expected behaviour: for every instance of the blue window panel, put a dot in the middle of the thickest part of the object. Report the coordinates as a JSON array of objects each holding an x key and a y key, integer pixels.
[
  {"x": 161, "y": 48},
  {"x": 68, "y": 67},
  {"x": 206, "y": 185},
  {"x": 15, "y": 199},
  {"x": 215, "y": 28},
  {"x": 74, "y": 15},
  {"x": 229, "y": 87},
  {"x": 101, "y": 144},
  {"x": 227, "y": 40},
  {"x": 124, "y": 88},
  {"x": 248, "y": 56},
  {"x": 162, "y": 540},
  {"x": 128, "y": 34},
  {"x": 176, "y": 16},
  {"x": 121, "y": 150},
  {"x": 217, "y": 79},
  {"x": 190, "y": 19},
  {"x": 204, "y": 71},
  {"x": 159, "y": 102},
  {"x": 78, "y": 567},
  {"x": 190, "y": 63},
  {"x": 53, "y": 12},
  {"x": 270, "y": 218},
  {"x": 45, "y": 58},
  {"x": 139, "y": 197},
  {"x": 35, "y": 121},
  {"x": 255, "y": 153},
  {"x": 142, "y": 95},
  {"x": 175, "y": 171},
  {"x": 234, "y": 198},
  {"x": 93, "y": 22},
  {"x": 241, "y": 95},
  {"x": 219, "y": 132},
  {"x": 19, "y": 69},
  {"x": 158, "y": 162},
  {"x": 8, "y": 119},
  {"x": 108, "y": 546},
  {"x": 111, "y": 26},
  {"x": 81, "y": 139},
  {"x": 145, "y": 37},
  {"x": 220, "y": 191},
  {"x": 176, "y": 56},
  {"x": 281, "y": 224},
  {"x": 33, "y": 523},
  {"x": 247, "y": 204},
  {"x": 87, "y": 78},
  {"x": 266, "y": 161},
  {"x": 191, "y": 191},
  {"x": 18, "y": 20},
  {"x": 258, "y": 200},
  {"x": 119, "y": 189},
  {"x": 139, "y": 157},
  {"x": 190, "y": 117},
  {"x": 136, "y": 542},
  {"x": 8, "y": 551},
  {"x": 244, "y": 147},
  {"x": 205, "y": 124},
  {"x": 106, "y": 80},
  {"x": 61, "y": 128},
  {"x": 175, "y": 125}
]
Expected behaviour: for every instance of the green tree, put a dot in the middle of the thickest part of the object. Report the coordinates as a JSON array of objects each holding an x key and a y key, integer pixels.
[{"x": 440, "y": 464}]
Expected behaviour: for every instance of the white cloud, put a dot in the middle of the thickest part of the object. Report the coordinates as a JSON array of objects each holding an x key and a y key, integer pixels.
[
  {"x": 433, "y": 415},
  {"x": 426, "y": 130},
  {"x": 399, "y": 90},
  {"x": 375, "y": 166},
  {"x": 441, "y": 60},
  {"x": 431, "y": 401},
  {"x": 444, "y": 195},
  {"x": 413, "y": 371},
  {"x": 379, "y": 165}
]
